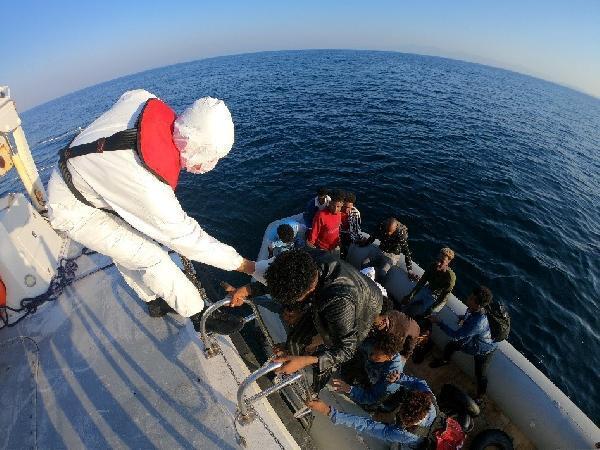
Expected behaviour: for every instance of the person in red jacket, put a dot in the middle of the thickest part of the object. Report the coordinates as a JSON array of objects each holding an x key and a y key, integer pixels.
[{"x": 325, "y": 231}]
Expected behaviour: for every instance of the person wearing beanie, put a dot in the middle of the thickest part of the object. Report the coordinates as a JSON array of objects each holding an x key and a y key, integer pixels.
[{"x": 114, "y": 192}]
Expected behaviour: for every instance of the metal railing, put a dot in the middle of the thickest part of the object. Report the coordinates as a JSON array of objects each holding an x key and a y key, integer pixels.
[
  {"x": 246, "y": 412},
  {"x": 211, "y": 346}
]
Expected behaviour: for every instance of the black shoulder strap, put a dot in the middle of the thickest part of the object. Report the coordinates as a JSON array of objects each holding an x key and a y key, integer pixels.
[{"x": 122, "y": 140}]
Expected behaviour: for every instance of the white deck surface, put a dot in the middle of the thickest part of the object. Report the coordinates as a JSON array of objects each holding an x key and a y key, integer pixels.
[{"x": 93, "y": 370}]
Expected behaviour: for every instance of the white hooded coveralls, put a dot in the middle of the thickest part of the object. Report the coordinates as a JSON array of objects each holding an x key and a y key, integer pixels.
[{"x": 149, "y": 212}]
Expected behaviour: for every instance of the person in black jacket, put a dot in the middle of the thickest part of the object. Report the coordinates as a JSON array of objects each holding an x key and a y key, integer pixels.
[
  {"x": 343, "y": 307},
  {"x": 393, "y": 242}
]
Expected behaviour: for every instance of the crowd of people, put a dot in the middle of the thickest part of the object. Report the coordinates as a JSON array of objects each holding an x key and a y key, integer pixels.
[{"x": 342, "y": 321}]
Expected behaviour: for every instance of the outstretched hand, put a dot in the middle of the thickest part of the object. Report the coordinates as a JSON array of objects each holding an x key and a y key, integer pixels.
[
  {"x": 319, "y": 406},
  {"x": 340, "y": 386},
  {"x": 294, "y": 363},
  {"x": 238, "y": 295},
  {"x": 247, "y": 267}
]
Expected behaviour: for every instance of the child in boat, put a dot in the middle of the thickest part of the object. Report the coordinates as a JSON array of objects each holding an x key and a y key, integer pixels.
[
  {"x": 473, "y": 336},
  {"x": 350, "y": 231},
  {"x": 372, "y": 375},
  {"x": 286, "y": 238},
  {"x": 325, "y": 231}
]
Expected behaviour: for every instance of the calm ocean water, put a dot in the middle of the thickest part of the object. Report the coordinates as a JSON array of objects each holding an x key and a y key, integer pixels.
[{"x": 502, "y": 167}]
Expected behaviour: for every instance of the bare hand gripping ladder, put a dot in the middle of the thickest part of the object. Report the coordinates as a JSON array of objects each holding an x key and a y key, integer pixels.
[{"x": 246, "y": 413}]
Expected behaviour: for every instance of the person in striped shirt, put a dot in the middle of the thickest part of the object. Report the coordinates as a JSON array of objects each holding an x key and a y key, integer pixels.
[{"x": 350, "y": 231}]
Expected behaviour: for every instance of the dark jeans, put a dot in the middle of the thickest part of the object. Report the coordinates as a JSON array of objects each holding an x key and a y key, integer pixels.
[
  {"x": 299, "y": 337},
  {"x": 481, "y": 365}
]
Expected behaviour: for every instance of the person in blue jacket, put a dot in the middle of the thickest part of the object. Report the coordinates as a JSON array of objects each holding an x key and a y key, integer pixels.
[
  {"x": 415, "y": 413},
  {"x": 380, "y": 358},
  {"x": 473, "y": 336}
]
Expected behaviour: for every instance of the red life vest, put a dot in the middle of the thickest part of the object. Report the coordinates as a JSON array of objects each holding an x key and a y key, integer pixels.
[{"x": 155, "y": 145}]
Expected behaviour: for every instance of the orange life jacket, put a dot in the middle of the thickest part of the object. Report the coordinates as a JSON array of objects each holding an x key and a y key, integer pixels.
[
  {"x": 152, "y": 139},
  {"x": 155, "y": 145}
]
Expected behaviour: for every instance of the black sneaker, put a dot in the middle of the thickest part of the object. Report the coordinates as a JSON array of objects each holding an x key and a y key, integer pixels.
[
  {"x": 158, "y": 308},
  {"x": 219, "y": 322},
  {"x": 438, "y": 363}
]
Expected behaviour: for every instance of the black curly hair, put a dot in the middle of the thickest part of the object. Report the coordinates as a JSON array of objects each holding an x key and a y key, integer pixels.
[
  {"x": 290, "y": 275},
  {"x": 408, "y": 347},
  {"x": 413, "y": 408},
  {"x": 388, "y": 343},
  {"x": 483, "y": 295},
  {"x": 337, "y": 196},
  {"x": 285, "y": 233},
  {"x": 350, "y": 197}
]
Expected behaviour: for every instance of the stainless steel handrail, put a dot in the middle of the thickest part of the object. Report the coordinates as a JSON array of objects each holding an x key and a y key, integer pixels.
[
  {"x": 211, "y": 347},
  {"x": 246, "y": 413}
]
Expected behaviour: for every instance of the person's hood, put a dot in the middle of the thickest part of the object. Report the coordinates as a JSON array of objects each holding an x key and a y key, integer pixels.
[{"x": 203, "y": 133}]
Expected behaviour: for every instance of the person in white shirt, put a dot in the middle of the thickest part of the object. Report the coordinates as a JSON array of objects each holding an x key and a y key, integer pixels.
[
  {"x": 287, "y": 236},
  {"x": 318, "y": 203},
  {"x": 114, "y": 193}
]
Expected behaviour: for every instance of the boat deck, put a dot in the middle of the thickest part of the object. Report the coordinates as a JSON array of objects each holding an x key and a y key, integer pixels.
[{"x": 93, "y": 370}]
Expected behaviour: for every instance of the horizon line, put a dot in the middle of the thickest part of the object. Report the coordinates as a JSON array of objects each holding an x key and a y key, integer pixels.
[{"x": 225, "y": 55}]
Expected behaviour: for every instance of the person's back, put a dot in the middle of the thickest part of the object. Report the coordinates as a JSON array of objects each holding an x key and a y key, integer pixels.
[
  {"x": 476, "y": 328},
  {"x": 345, "y": 294},
  {"x": 285, "y": 237}
]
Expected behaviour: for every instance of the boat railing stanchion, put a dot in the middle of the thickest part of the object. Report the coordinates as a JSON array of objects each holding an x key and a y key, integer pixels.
[
  {"x": 211, "y": 346},
  {"x": 246, "y": 413}
]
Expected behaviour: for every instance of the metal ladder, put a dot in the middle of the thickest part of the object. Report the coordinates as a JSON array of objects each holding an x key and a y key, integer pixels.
[{"x": 245, "y": 411}]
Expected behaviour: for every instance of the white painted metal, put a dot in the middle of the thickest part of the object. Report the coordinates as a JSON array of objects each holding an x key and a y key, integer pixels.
[
  {"x": 94, "y": 370},
  {"x": 21, "y": 155},
  {"x": 30, "y": 250}
]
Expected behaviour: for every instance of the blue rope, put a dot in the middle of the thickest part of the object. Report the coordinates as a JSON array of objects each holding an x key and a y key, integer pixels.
[{"x": 65, "y": 276}]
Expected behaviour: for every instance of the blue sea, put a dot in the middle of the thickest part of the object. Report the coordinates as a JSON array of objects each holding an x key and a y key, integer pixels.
[{"x": 502, "y": 167}]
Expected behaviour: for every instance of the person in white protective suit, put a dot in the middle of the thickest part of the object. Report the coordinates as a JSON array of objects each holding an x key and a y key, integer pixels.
[{"x": 113, "y": 192}]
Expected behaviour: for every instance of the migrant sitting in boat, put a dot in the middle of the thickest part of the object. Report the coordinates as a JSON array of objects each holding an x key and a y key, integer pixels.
[
  {"x": 286, "y": 238},
  {"x": 393, "y": 242},
  {"x": 433, "y": 288},
  {"x": 325, "y": 231}
]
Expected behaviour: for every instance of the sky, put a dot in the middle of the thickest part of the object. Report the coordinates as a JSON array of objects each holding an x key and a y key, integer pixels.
[{"x": 52, "y": 48}]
